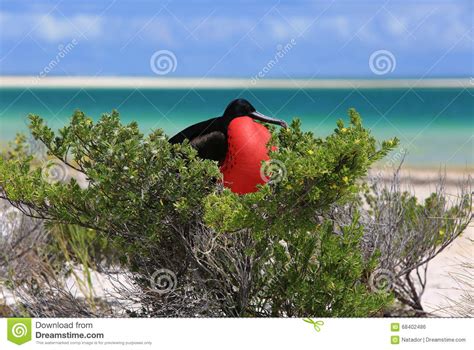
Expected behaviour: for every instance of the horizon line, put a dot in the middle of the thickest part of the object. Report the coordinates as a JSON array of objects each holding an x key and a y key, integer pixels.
[{"x": 226, "y": 83}]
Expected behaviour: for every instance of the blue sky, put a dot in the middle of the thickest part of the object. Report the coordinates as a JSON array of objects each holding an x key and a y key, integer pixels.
[{"x": 334, "y": 39}]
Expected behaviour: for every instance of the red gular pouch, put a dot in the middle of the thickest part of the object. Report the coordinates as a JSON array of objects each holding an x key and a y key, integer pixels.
[{"x": 247, "y": 149}]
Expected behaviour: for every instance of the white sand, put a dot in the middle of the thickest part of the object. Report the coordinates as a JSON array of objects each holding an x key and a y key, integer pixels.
[
  {"x": 226, "y": 83},
  {"x": 440, "y": 283}
]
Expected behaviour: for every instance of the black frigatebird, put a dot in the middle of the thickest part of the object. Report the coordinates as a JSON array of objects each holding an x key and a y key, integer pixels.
[{"x": 235, "y": 141}]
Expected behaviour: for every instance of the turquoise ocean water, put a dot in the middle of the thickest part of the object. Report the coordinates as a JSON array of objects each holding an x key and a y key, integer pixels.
[{"x": 435, "y": 126}]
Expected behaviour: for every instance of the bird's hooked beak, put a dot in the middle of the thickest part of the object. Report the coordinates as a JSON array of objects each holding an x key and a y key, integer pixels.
[{"x": 263, "y": 118}]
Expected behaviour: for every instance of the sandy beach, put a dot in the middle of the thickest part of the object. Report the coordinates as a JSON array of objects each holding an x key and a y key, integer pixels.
[
  {"x": 441, "y": 289},
  {"x": 225, "y": 83}
]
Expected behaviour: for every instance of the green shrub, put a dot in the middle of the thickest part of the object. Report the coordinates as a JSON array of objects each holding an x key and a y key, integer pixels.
[{"x": 274, "y": 252}]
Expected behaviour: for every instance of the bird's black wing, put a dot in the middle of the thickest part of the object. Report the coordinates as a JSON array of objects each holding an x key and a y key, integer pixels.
[
  {"x": 211, "y": 146},
  {"x": 196, "y": 130},
  {"x": 207, "y": 137}
]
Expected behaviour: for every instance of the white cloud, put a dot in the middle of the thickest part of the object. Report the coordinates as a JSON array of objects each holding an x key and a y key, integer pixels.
[
  {"x": 338, "y": 25},
  {"x": 437, "y": 26},
  {"x": 396, "y": 26},
  {"x": 221, "y": 27},
  {"x": 280, "y": 30},
  {"x": 48, "y": 27},
  {"x": 54, "y": 29}
]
